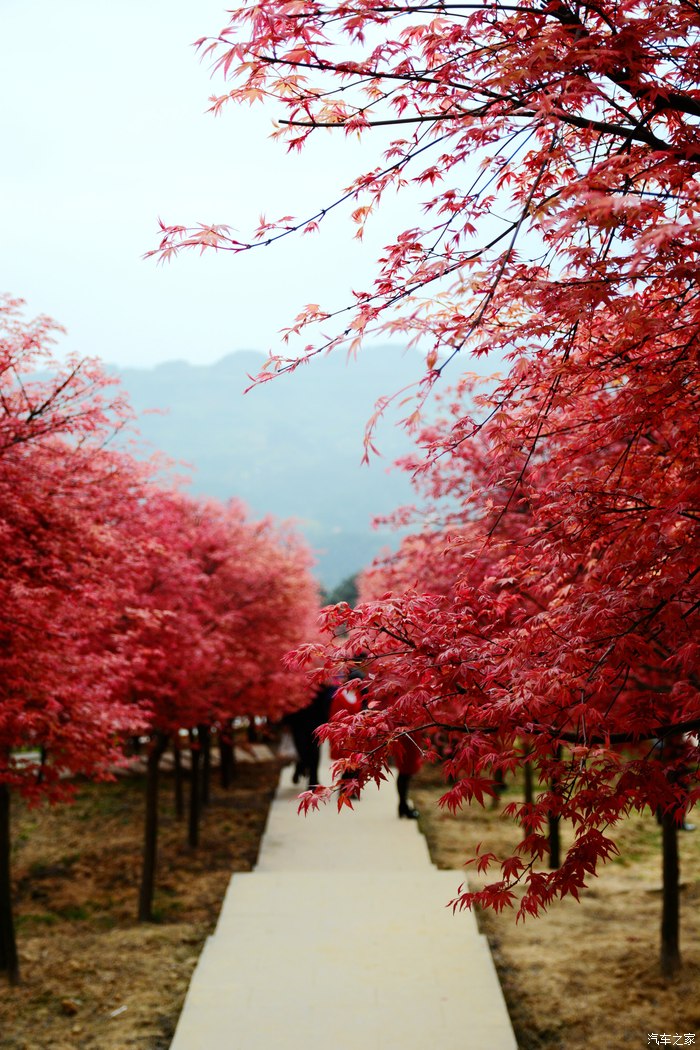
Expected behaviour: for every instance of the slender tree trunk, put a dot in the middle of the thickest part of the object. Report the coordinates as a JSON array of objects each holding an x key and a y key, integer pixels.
[
  {"x": 195, "y": 804},
  {"x": 9, "y": 963},
  {"x": 554, "y": 821},
  {"x": 670, "y": 908},
  {"x": 42, "y": 765},
  {"x": 150, "y": 840},
  {"x": 179, "y": 792},
  {"x": 554, "y": 842},
  {"x": 227, "y": 756},
  {"x": 204, "y": 736},
  {"x": 500, "y": 786},
  {"x": 529, "y": 784}
]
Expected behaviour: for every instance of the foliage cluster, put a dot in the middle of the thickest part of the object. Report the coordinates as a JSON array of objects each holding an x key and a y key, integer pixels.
[
  {"x": 554, "y": 616},
  {"x": 128, "y": 608}
]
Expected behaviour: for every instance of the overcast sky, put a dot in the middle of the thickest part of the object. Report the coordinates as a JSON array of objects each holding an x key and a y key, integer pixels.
[{"x": 104, "y": 130}]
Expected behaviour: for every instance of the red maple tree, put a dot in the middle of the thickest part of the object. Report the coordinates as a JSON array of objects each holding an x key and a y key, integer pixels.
[
  {"x": 261, "y": 601},
  {"x": 62, "y": 580},
  {"x": 557, "y": 145},
  {"x": 523, "y": 635}
]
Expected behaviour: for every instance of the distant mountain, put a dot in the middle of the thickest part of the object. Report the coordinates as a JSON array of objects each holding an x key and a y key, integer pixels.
[{"x": 292, "y": 447}]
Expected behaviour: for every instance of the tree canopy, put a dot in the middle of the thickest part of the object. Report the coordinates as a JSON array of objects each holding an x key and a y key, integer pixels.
[{"x": 555, "y": 612}]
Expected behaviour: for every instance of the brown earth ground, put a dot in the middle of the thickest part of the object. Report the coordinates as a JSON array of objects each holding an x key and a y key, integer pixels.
[
  {"x": 584, "y": 975},
  {"x": 91, "y": 976}
]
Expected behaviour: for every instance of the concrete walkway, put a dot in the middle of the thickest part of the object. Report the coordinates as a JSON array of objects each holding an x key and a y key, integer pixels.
[{"x": 340, "y": 940}]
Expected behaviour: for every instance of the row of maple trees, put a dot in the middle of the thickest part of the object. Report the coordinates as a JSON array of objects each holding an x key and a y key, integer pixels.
[
  {"x": 550, "y": 612},
  {"x": 127, "y": 608}
]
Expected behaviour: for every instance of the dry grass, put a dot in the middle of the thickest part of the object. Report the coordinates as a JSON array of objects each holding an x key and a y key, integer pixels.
[
  {"x": 92, "y": 977},
  {"x": 583, "y": 975}
]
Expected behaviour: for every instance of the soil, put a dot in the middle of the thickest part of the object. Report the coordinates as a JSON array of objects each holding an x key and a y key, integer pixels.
[
  {"x": 91, "y": 976},
  {"x": 584, "y": 975}
]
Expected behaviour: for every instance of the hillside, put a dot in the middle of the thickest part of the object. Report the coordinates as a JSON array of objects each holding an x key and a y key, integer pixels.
[{"x": 291, "y": 448}]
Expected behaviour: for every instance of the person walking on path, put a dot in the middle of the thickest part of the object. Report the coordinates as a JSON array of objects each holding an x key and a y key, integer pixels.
[
  {"x": 303, "y": 725},
  {"x": 405, "y": 751},
  {"x": 408, "y": 758}
]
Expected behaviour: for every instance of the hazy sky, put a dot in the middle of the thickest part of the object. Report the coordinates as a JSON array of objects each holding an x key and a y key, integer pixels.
[{"x": 104, "y": 129}]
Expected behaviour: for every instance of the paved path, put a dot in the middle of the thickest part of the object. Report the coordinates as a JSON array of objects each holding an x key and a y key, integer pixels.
[{"x": 340, "y": 940}]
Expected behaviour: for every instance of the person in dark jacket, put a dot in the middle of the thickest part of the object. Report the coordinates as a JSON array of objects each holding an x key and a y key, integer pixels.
[{"x": 303, "y": 725}]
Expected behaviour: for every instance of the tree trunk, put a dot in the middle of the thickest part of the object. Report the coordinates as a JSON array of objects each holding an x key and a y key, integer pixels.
[
  {"x": 195, "y": 806},
  {"x": 204, "y": 736},
  {"x": 150, "y": 839},
  {"x": 179, "y": 793},
  {"x": 554, "y": 842},
  {"x": 553, "y": 821},
  {"x": 529, "y": 784},
  {"x": 9, "y": 962},
  {"x": 499, "y": 781},
  {"x": 670, "y": 908},
  {"x": 42, "y": 765},
  {"x": 227, "y": 757}
]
